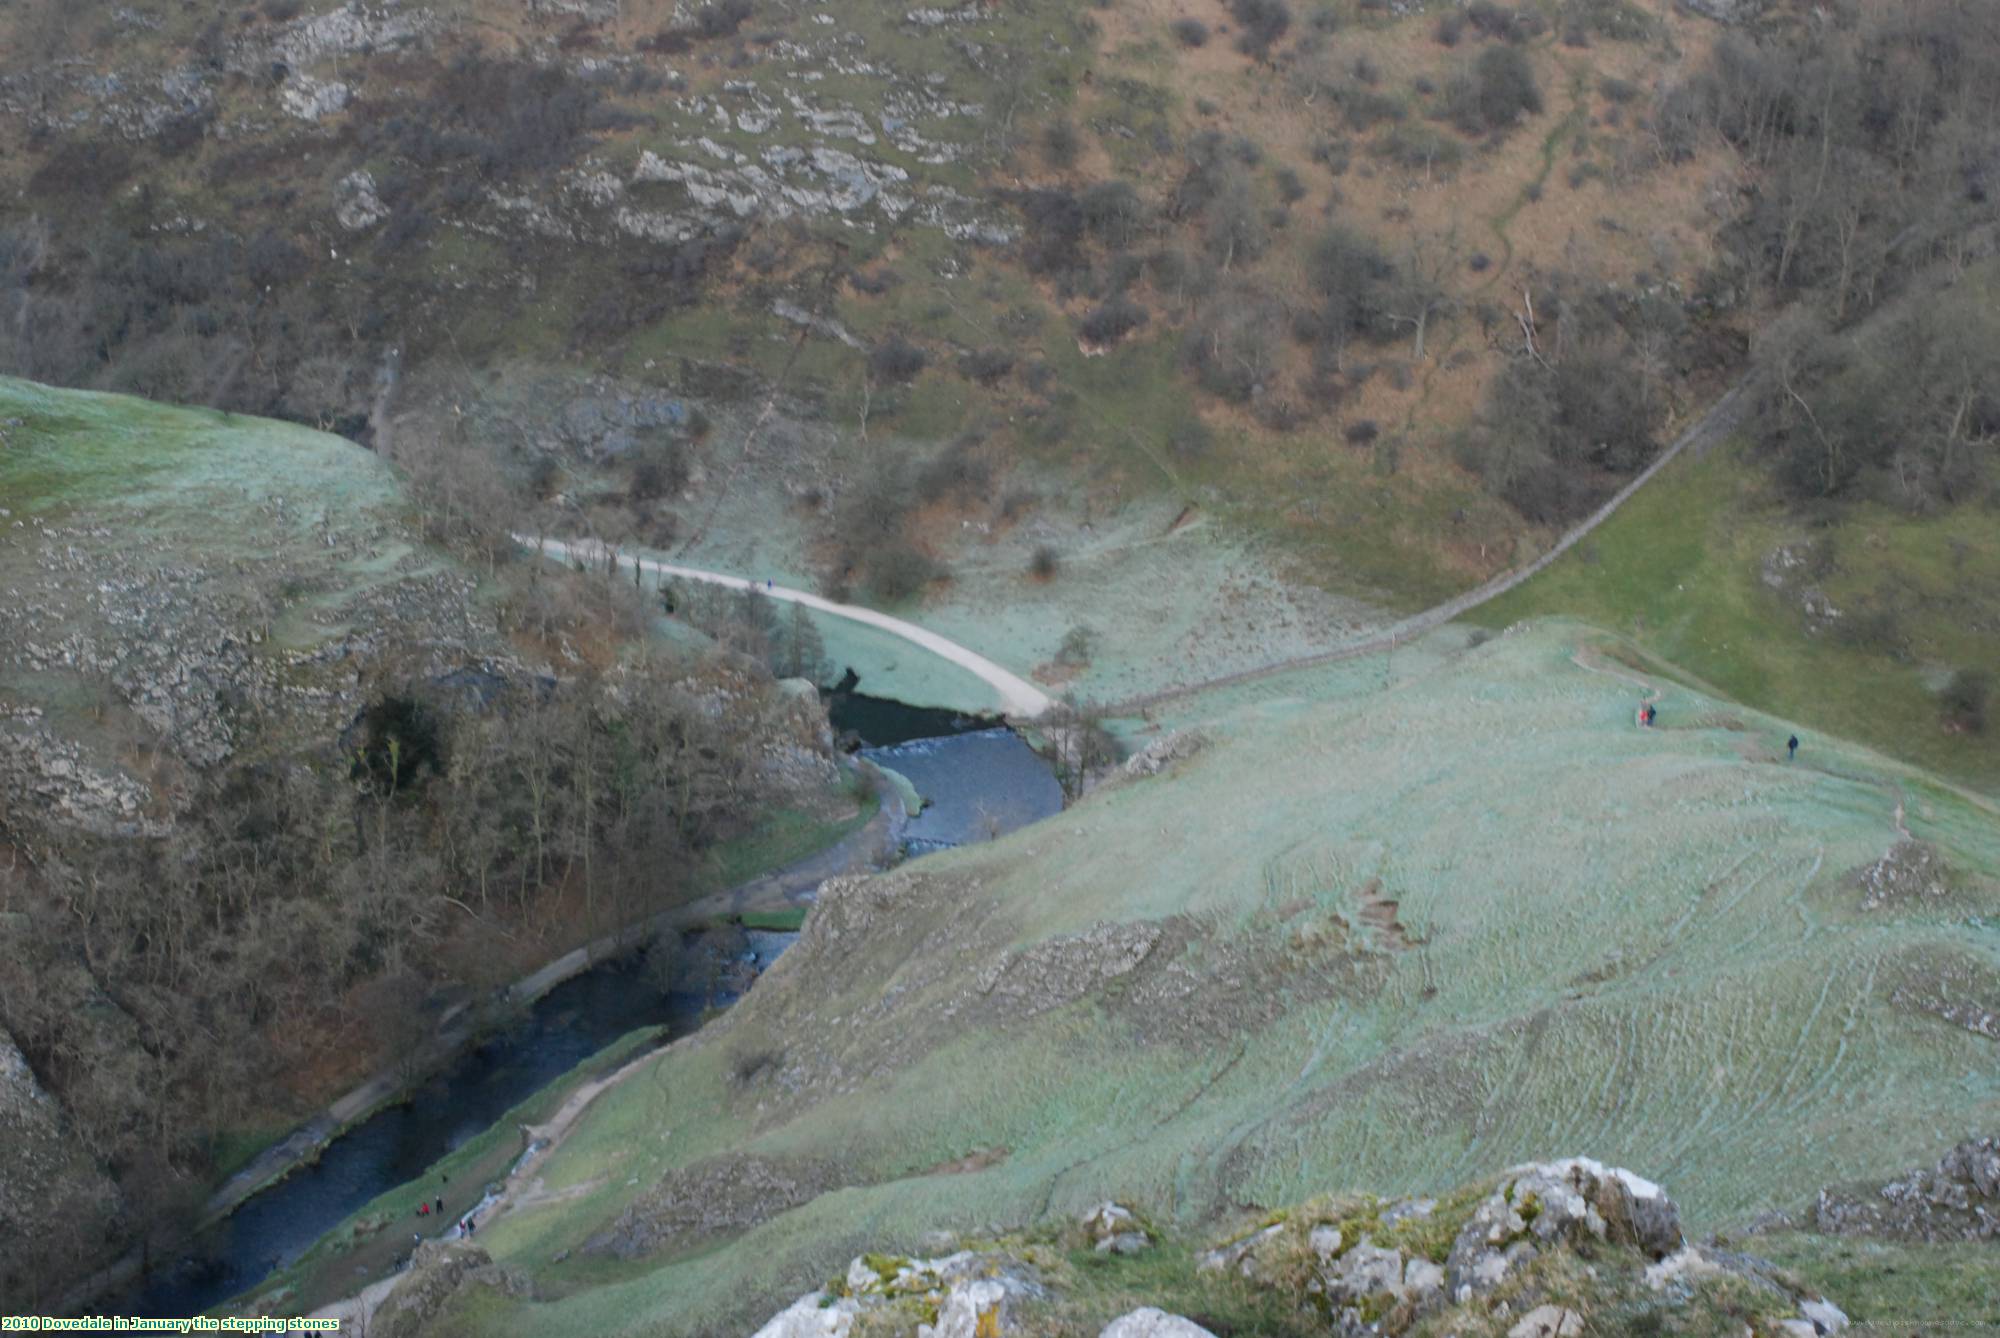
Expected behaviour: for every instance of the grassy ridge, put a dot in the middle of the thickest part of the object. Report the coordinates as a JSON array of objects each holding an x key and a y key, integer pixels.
[
  {"x": 116, "y": 503},
  {"x": 69, "y": 449},
  {"x": 1679, "y": 571}
]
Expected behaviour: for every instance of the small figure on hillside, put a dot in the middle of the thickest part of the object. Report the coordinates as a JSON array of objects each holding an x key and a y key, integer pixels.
[
  {"x": 423, "y": 1210},
  {"x": 440, "y": 1205},
  {"x": 1792, "y": 749},
  {"x": 769, "y": 585},
  {"x": 1652, "y": 715},
  {"x": 469, "y": 1225}
]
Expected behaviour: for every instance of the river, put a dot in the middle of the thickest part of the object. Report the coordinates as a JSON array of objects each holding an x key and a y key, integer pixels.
[{"x": 978, "y": 779}]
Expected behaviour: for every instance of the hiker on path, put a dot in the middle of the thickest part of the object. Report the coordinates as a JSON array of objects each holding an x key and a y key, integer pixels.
[
  {"x": 1652, "y": 715},
  {"x": 440, "y": 1205},
  {"x": 1792, "y": 748}
]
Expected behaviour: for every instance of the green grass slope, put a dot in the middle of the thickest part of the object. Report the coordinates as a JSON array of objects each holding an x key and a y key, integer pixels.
[
  {"x": 1681, "y": 570},
  {"x": 170, "y": 570},
  {"x": 70, "y": 449},
  {"x": 1404, "y": 937}
]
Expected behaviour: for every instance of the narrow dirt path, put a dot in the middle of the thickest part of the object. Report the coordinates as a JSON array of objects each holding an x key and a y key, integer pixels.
[
  {"x": 1584, "y": 658},
  {"x": 1595, "y": 665},
  {"x": 1564, "y": 129},
  {"x": 1018, "y": 697},
  {"x": 1023, "y": 700},
  {"x": 1722, "y": 418},
  {"x": 520, "y": 1189}
]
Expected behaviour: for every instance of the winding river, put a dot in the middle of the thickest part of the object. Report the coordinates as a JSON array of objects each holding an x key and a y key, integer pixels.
[{"x": 977, "y": 779}]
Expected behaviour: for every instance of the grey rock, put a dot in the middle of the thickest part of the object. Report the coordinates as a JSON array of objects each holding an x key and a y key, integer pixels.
[
  {"x": 786, "y": 310},
  {"x": 972, "y": 1309},
  {"x": 1055, "y": 971},
  {"x": 1408, "y": 1210},
  {"x": 727, "y": 1193},
  {"x": 1164, "y": 752},
  {"x": 1909, "y": 871},
  {"x": 46, "y": 1175},
  {"x": 1365, "y": 1270},
  {"x": 1239, "y": 1254},
  {"x": 1548, "y": 1321},
  {"x": 311, "y": 99},
  {"x": 1109, "y": 1219},
  {"x": 437, "y": 1270},
  {"x": 339, "y": 32},
  {"x": 1148, "y": 1322},
  {"x": 1554, "y": 1203},
  {"x": 935, "y": 18},
  {"x": 356, "y": 206},
  {"x": 1423, "y": 1280},
  {"x": 814, "y": 1315},
  {"x": 1958, "y": 1198}
]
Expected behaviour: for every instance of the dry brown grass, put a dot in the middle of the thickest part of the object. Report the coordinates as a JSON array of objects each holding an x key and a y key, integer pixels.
[{"x": 1615, "y": 227}]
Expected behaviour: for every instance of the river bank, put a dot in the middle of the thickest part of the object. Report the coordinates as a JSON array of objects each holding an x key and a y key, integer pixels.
[
  {"x": 462, "y": 1025},
  {"x": 331, "y": 1189}
]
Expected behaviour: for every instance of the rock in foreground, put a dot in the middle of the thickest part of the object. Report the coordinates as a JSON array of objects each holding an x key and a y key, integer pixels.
[{"x": 1552, "y": 1249}]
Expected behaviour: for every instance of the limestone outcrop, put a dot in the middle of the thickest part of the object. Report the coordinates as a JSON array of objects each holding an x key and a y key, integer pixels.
[{"x": 1543, "y": 1251}]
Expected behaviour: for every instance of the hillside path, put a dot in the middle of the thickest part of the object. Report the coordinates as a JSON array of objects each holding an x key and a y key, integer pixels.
[
  {"x": 1023, "y": 700},
  {"x": 1722, "y": 418},
  {"x": 1018, "y": 697},
  {"x": 1590, "y": 662}
]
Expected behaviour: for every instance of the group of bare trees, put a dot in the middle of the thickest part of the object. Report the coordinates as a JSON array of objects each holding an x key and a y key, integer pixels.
[
  {"x": 156, "y": 985},
  {"x": 1871, "y": 155},
  {"x": 1877, "y": 162},
  {"x": 751, "y": 624},
  {"x": 1579, "y": 405}
]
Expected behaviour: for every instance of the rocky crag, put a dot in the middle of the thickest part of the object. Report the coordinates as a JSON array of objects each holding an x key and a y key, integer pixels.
[{"x": 1548, "y": 1250}]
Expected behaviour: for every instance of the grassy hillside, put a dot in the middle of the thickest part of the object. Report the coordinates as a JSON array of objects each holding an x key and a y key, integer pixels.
[
  {"x": 1723, "y": 584},
  {"x": 184, "y": 582},
  {"x": 70, "y": 451},
  {"x": 1406, "y": 937}
]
